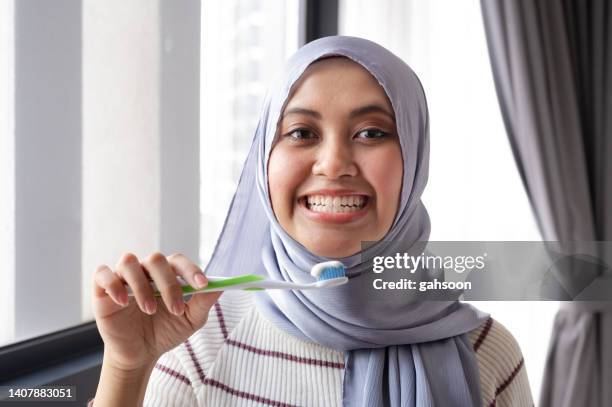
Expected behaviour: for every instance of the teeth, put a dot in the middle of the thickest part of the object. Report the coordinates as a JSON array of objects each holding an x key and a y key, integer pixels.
[{"x": 339, "y": 204}]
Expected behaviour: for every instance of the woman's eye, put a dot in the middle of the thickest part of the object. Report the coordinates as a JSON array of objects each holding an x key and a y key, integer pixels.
[
  {"x": 301, "y": 134},
  {"x": 371, "y": 134}
]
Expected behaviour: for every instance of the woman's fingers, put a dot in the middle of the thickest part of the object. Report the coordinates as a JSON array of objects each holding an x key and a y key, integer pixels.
[
  {"x": 188, "y": 270},
  {"x": 163, "y": 271},
  {"x": 108, "y": 283},
  {"x": 164, "y": 277},
  {"x": 199, "y": 304},
  {"x": 130, "y": 269}
]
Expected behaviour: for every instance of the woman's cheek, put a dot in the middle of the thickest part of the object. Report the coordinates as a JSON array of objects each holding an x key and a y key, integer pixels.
[
  {"x": 285, "y": 174},
  {"x": 384, "y": 170}
]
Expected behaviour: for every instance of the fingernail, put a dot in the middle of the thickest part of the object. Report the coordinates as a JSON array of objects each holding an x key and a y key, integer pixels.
[
  {"x": 150, "y": 306},
  {"x": 200, "y": 281},
  {"x": 178, "y": 307}
]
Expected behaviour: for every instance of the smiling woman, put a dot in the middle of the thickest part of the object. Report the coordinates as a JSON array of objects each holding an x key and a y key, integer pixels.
[
  {"x": 340, "y": 156},
  {"x": 335, "y": 171}
]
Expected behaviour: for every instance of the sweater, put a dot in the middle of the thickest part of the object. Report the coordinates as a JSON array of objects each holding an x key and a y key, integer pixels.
[{"x": 239, "y": 358}]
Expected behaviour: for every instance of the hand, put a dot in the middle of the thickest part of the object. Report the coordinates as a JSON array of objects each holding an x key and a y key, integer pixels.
[{"x": 137, "y": 330}]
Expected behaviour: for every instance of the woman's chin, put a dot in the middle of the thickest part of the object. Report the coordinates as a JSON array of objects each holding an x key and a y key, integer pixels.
[{"x": 333, "y": 249}]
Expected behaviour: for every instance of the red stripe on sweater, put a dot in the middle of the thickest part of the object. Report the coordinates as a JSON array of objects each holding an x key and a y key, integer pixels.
[
  {"x": 286, "y": 356},
  {"x": 245, "y": 395},
  {"x": 195, "y": 360},
  {"x": 271, "y": 353},
  {"x": 173, "y": 372},
  {"x": 504, "y": 385},
  {"x": 221, "y": 319},
  {"x": 483, "y": 334}
]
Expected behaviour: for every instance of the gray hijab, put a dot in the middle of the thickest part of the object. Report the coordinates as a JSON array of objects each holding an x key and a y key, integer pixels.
[{"x": 398, "y": 351}]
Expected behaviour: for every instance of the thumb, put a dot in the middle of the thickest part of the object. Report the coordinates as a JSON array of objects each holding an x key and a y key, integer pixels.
[{"x": 197, "y": 308}]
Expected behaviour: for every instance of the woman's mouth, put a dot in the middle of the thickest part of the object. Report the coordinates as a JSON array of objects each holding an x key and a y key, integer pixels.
[
  {"x": 335, "y": 204},
  {"x": 334, "y": 208}
]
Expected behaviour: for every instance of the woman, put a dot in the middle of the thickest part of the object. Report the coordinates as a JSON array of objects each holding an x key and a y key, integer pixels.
[{"x": 340, "y": 157}]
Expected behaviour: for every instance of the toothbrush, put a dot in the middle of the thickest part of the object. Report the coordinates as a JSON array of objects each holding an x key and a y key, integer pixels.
[{"x": 328, "y": 274}]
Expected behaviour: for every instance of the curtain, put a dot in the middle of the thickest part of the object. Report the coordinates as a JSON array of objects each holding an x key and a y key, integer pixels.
[{"x": 552, "y": 65}]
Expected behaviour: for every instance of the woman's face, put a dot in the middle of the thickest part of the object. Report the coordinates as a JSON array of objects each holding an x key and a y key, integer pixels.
[{"x": 335, "y": 171}]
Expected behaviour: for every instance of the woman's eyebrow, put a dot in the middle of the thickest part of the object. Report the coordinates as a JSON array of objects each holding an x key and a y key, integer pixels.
[
  {"x": 372, "y": 109},
  {"x": 356, "y": 112},
  {"x": 301, "y": 110}
]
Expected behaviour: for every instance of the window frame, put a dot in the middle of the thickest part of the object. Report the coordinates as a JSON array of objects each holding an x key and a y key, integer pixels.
[
  {"x": 38, "y": 354},
  {"x": 321, "y": 19}
]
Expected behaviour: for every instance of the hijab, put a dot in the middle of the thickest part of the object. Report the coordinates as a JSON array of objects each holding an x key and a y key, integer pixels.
[{"x": 398, "y": 351}]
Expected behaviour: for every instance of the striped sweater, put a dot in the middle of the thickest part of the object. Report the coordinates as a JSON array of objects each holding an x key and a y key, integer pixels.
[{"x": 241, "y": 359}]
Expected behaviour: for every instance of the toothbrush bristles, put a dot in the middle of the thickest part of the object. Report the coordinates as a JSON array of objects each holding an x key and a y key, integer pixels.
[{"x": 331, "y": 272}]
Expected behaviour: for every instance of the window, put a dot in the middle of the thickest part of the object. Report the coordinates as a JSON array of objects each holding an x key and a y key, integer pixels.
[
  {"x": 40, "y": 177},
  {"x": 244, "y": 45},
  {"x": 95, "y": 96}
]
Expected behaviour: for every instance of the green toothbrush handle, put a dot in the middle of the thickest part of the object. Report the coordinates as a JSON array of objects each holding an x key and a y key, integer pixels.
[{"x": 222, "y": 283}]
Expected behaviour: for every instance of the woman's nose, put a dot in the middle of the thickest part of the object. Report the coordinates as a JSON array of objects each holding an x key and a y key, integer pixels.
[{"x": 334, "y": 160}]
